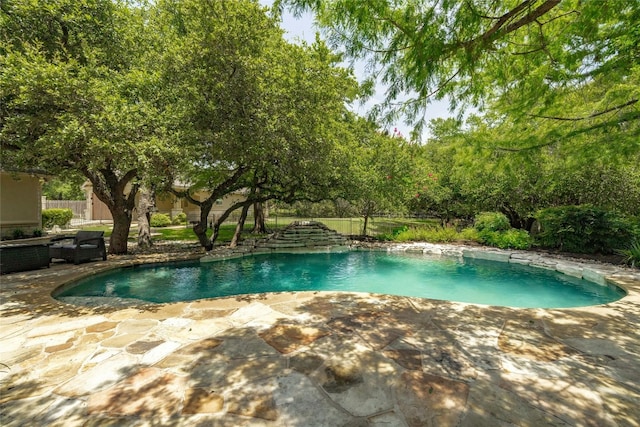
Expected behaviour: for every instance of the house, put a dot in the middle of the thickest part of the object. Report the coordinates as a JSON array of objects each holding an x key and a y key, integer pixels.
[
  {"x": 168, "y": 204},
  {"x": 20, "y": 203}
]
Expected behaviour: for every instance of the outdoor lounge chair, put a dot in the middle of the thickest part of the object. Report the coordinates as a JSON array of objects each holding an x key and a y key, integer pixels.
[{"x": 84, "y": 246}]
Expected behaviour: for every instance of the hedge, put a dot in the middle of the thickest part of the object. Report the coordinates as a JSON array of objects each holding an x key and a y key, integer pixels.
[
  {"x": 56, "y": 216},
  {"x": 160, "y": 220},
  {"x": 584, "y": 229}
]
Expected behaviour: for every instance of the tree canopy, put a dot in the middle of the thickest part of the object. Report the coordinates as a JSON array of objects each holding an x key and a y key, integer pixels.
[
  {"x": 76, "y": 95},
  {"x": 473, "y": 176},
  {"x": 571, "y": 62},
  {"x": 256, "y": 113}
]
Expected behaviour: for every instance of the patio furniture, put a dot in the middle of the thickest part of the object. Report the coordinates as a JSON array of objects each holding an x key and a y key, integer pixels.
[
  {"x": 23, "y": 257},
  {"x": 84, "y": 246}
]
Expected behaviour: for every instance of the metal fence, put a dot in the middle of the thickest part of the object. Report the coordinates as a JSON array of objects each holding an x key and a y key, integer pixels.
[{"x": 376, "y": 226}]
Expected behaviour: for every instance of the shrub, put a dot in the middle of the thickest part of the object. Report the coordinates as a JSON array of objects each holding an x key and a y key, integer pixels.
[
  {"x": 584, "y": 229},
  {"x": 179, "y": 219},
  {"x": 59, "y": 217},
  {"x": 426, "y": 234},
  {"x": 631, "y": 254},
  {"x": 394, "y": 233},
  {"x": 160, "y": 220},
  {"x": 470, "y": 234},
  {"x": 491, "y": 221},
  {"x": 509, "y": 239},
  {"x": 18, "y": 233},
  {"x": 37, "y": 232},
  {"x": 493, "y": 229}
]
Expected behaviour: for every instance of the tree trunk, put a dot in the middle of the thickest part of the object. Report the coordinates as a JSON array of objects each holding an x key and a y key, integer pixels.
[
  {"x": 528, "y": 224},
  {"x": 120, "y": 233},
  {"x": 201, "y": 227},
  {"x": 239, "y": 226},
  {"x": 216, "y": 231},
  {"x": 224, "y": 188},
  {"x": 366, "y": 213},
  {"x": 219, "y": 220},
  {"x": 111, "y": 190},
  {"x": 515, "y": 219},
  {"x": 145, "y": 204},
  {"x": 366, "y": 221},
  {"x": 201, "y": 232},
  {"x": 259, "y": 226}
]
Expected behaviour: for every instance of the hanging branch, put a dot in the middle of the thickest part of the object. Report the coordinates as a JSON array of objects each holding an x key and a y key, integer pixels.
[{"x": 590, "y": 116}]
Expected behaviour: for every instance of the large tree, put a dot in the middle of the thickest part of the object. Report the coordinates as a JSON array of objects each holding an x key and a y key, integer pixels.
[
  {"x": 258, "y": 114},
  {"x": 529, "y": 56},
  {"x": 382, "y": 171},
  {"x": 474, "y": 175},
  {"x": 76, "y": 95},
  {"x": 215, "y": 57},
  {"x": 440, "y": 192}
]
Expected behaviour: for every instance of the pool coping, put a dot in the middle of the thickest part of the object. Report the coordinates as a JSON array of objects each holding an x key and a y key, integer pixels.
[{"x": 69, "y": 365}]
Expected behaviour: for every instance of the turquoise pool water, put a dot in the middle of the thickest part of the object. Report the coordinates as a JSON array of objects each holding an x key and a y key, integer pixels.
[{"x": 463, "y": 280}]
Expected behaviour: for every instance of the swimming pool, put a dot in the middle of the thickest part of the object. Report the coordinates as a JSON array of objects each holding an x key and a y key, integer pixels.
[{"x": 454, "y": 279}]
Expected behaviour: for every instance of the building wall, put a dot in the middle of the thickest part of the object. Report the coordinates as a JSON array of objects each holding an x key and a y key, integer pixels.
[
  {"x": 173, "y": 206},
  {"x": 20, "y": 203}
]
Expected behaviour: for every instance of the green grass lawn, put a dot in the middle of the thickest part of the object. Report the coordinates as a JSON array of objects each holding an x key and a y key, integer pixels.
[
  {"x": 182, "y": 233},
  {"x": 106, "y": 229},
  {"x": 348, "y": 226},
  {"x": 172, "y": 233}
]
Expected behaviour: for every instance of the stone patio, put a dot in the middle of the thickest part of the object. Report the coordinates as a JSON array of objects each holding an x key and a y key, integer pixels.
[{"x": 316, "y": 359}]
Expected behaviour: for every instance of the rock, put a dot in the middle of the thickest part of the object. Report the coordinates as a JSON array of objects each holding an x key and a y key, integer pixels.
[
  {"x": 202, "y": 401},
  {"x": 487, "y": 255},
  {"x": 342, "y": 374},
  {"x": 299, "y": 236}
]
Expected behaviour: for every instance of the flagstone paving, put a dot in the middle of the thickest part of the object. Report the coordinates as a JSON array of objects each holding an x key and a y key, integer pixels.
[{"x": 314, "y": 358}]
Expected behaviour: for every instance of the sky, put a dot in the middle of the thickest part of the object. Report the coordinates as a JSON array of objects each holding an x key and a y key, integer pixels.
[{"x": 303, "y": 28}]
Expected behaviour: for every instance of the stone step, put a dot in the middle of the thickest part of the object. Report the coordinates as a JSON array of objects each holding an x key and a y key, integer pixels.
[
  {"x": 297, "y": 236},
  {"x": 283, "y": 245},
  {"x": 313, "y": 237},
  {"x": 304, "y": 234}
]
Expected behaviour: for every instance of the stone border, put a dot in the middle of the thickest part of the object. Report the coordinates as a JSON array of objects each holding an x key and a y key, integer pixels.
[
  {"x": 626, "y": 279},
  {"x": 602, "y": 274}
]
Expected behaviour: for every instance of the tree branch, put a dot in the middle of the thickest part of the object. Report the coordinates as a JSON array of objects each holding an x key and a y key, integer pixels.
[
  {"x": 498, "y": 30},
  {"x": 221, "y": 189},
  {"x": 532, "y": 147},
  {"x": 531, "y": 17},
  {"x": 506, "y": 17},
  {"x": 601, "y": 125},
  {"x": 590, "y": 116},
  {"x": 185, "y": 195}
]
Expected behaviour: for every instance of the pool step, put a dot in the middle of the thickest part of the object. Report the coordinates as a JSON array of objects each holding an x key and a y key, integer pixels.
[{"x": 300, "y": 236}]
